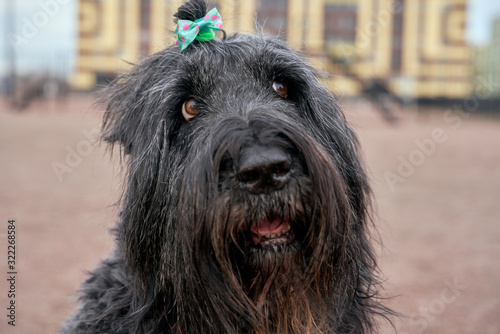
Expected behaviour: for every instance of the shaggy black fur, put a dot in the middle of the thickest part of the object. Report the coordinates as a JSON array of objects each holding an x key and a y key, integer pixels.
[{"x": 268, "y": 151}]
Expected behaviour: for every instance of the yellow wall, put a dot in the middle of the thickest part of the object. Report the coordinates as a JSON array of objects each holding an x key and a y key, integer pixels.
[
  {"x": 434, "y": 59},
  {"x": 101, "y": 46},
  {"x": 435, "y": 56},
  {"x": 108, "y": 41},
  {"x": 162, "y": 22},
  {"x": 373, "y": 38},
  {"x": 238, "y": 16}
]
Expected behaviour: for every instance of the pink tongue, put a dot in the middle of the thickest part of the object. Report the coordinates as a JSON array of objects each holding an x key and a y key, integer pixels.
[{"x": 266, "y": 227}]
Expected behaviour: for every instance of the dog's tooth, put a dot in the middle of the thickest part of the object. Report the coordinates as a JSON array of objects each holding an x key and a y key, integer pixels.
[{"x": 287, "y": 229}]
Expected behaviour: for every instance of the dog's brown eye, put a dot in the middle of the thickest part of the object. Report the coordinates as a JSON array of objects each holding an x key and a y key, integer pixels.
[
  {"x": 190, "y": 109},
  {"x": 280, "y": 88}
]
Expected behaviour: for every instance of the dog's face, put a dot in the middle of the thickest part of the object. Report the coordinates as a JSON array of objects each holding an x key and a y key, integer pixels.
[
  {"x": 245, "y": 192},
  {"x": 239, "y": 131}
]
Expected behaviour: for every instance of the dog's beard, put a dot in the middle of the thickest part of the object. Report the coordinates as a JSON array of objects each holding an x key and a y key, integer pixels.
[
  {"x": 274, "y": 275},
  {"x": 274, "y": 279},
  {"x": 270, "y": 258}
]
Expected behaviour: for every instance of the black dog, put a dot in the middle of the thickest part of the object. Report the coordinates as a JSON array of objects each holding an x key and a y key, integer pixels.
[{"x": 246, "y": 207}]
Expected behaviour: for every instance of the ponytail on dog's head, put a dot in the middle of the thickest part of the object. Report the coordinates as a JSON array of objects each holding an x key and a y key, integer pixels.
[{"x": 191, "y": 10}]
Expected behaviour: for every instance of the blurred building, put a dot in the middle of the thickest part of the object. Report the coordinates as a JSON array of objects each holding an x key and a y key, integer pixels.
[
  {"x": 494, "y": 59},
  {"x": 486, "y": 65},
  {"x": 416, "y": 48}
]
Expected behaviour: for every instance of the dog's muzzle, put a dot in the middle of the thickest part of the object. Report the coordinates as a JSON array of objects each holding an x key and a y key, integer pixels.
[{"x": 264, "y": 169}]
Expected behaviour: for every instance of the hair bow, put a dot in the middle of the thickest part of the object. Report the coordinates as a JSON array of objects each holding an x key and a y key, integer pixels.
[{"x": 201, "y": 30}]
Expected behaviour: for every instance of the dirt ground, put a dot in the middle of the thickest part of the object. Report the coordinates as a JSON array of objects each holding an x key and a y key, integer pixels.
[{"x": 436, "y": 179}]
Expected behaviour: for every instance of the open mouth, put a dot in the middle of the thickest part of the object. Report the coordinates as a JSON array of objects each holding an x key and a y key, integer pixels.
[{"x": 272, "y": 233}]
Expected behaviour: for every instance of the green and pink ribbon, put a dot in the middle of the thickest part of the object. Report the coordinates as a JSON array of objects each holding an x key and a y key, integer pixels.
[{"x": 202, "y": 30}]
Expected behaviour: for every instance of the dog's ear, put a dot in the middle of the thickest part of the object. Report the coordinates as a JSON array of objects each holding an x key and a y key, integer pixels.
[
  {"x": 139, "y": 104},
  {"x": 133, "y": 101},
  {"x": 192, "y": 10},
  {"x": 123, "y": 108}
]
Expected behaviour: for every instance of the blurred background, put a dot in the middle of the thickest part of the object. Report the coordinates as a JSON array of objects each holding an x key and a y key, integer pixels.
[{"x": 418, "y": 79}]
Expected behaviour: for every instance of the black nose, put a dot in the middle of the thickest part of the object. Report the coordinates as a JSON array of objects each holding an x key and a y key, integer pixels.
[{"x": 264, "y": 169}]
